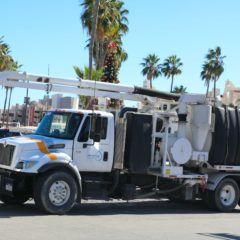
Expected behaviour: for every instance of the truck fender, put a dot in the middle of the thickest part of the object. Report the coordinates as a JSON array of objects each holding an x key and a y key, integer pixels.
[
  {"x": 67, "y": 165},
  {"x": 215, "y": 179}
]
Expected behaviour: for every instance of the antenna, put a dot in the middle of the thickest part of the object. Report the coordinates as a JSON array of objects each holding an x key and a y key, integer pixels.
[{"x": 48, "y": 91}]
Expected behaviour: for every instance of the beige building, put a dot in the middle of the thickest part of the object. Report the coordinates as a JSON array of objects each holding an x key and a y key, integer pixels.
[
  {"x": 36, "y": 110},
  {"x": 211, "y": 93},
  {"x": 231, "y": 94}
]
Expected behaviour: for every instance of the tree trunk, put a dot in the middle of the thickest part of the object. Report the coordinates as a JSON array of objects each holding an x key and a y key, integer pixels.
[
  {"x": 214, "y": 88},
  {"x": 4, "y": 108},
  {"x": 94, "y": 26},
  {"x": 151, "y": 83},
  {"x": 9, "y": 103},
  {"x": 172, "y": 83},
  {"x": 100, "y": 54},
  {"x": 207, "y": 87},
  {"x": 97, "y": 54}
]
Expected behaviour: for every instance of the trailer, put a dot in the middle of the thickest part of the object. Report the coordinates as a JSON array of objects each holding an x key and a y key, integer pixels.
[{"x": 183, "y": 147}]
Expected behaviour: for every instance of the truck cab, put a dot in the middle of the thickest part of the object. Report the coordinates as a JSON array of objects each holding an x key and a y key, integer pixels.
[{"x": 79, "y": 141}]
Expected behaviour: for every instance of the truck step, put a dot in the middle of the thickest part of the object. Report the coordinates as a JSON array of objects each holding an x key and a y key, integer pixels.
[
  {"x": 101, "y": 182},
  {"x": 96, "y": 194}
]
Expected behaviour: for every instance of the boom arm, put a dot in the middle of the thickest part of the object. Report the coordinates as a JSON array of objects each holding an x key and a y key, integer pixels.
[{"x": 80, "y": 87}]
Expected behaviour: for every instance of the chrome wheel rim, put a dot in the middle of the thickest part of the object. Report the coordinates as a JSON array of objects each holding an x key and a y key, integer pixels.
[
  {"x": 227, "y": 195},
  {"x": 59, "y": 193}
]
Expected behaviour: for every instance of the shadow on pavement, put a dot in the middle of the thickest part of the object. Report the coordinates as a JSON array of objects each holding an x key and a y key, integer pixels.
[
  {"x": 225, "y": 236},
  {"x": 114, "y": 208}
]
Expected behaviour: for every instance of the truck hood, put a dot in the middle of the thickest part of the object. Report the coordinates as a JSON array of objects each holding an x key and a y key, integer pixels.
[{"x": 35, "y": 142}]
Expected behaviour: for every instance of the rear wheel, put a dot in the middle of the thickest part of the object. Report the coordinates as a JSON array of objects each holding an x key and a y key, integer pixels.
[
  {"x": 226, "y": 196},
  {"x": 55, "y": 192}
]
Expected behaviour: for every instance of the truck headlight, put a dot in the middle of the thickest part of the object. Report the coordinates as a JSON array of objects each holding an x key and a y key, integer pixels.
[{"x": 25, "y": 164}]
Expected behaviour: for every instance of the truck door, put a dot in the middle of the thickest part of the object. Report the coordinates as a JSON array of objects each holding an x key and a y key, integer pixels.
[{"x": 94, "y": 156}]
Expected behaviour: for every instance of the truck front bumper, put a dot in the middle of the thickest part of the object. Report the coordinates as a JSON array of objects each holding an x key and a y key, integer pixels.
[{"x": 12, "y": 182}]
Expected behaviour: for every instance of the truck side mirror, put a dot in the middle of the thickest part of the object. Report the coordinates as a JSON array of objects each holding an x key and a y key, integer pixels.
[
  {"x": 96, "y": 125},
  {"x": 96, "y": 137}
]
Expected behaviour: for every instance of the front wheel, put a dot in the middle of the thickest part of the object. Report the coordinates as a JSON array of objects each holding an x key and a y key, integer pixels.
[
  {"x": 226, "y": 196},
  {"x": 55, "y": 192}
]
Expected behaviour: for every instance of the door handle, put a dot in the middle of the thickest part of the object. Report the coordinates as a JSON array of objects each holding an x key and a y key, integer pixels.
[
  {"x": 105, "y": 156},
  {"x": 78, "y": 151}
]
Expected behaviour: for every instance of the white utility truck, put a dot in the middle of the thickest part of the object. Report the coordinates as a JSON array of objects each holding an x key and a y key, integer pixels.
[{"x": 180, "y": 147}]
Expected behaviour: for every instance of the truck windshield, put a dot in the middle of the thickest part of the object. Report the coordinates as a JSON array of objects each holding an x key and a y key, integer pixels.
[{"x": 59, "y": 125}]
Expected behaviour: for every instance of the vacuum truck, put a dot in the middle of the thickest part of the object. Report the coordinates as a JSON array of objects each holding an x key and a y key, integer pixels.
[{"x": 181, "y": 147}]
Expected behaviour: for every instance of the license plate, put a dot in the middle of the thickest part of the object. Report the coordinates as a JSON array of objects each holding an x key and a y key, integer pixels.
[{"x": 9, "y": 187}]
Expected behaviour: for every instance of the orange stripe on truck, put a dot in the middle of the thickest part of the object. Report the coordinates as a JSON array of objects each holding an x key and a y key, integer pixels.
[{"x": 42, "y": 147}]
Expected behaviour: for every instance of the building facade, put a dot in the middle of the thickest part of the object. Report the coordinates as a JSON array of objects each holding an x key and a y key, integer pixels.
[
  {"x": 231, "y": 94},
  {"x": 35, "y": 111}
]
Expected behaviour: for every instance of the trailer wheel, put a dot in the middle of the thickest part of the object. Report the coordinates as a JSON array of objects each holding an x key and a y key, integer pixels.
[
  {"x": 226, "y": 196},
  {"x": 55, "y": 192},
  {"x": 16, "y": 200}
]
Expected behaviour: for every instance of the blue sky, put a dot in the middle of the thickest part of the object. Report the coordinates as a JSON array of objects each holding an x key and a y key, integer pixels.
[{"x": 50, "y": 32}]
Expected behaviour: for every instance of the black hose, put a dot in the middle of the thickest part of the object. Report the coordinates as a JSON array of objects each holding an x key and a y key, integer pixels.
[
  {"x": 155, "y": 93},
  {"x": 158, "y": 192}
]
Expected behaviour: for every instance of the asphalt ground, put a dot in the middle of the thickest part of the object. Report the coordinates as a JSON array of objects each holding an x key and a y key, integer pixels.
[{"x": 145, "y": 219}]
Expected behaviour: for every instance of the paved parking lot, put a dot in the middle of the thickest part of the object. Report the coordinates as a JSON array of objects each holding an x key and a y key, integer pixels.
[{"x": 152, "y": 219}]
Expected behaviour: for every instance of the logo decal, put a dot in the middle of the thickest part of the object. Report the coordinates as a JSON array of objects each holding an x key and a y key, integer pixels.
[{"x": 97, "y": 156}]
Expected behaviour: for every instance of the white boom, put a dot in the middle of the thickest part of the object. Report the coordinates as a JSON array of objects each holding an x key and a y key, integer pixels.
[{"x": 80, "y": 87}]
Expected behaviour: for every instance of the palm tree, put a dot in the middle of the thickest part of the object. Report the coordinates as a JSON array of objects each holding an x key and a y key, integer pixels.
[
  {"x": 83, "y": 74},
  {"x": 151, "y": 67},
  {"x": 171, "y": 67},
  {"x": 206, "y": 74},
  {"x": 111, "y": 21},
  {"x": 94, "y": 26},
  {"x": 180, "y": 89},
  {"x": 14, "y": 67},
  {"x": 216, "y": 62},
  {"x": 6, "y": 63}
]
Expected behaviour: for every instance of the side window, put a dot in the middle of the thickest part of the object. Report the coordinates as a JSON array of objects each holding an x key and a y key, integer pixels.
[
  {"x": 84, "y": 133},
  {"x": 104, "y": 128}
]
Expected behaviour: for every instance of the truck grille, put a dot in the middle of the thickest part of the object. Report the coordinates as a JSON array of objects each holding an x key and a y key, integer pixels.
[{"x": 6, "y": 154}]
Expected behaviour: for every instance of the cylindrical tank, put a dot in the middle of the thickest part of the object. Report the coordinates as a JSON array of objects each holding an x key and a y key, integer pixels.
[{"x": 225, "y": 149}]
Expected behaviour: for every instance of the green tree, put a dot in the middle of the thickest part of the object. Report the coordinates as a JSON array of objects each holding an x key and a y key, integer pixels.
[
  {"x": 83, "y": 74},
  {"x": 215, "y": 59},
  {"x": 6, "y": 63},
  {"x": 171, "y": 67},
  {"x": 15, "y": 66},
  {"x": 206, "y": 74},
  {"x": 151, "y": 67},
  {"x": 94, "y": 26},
  {"x": 110, "y": 67},
  {"x": 180, "y": 89},
  {"x": 111, "y": 23}
]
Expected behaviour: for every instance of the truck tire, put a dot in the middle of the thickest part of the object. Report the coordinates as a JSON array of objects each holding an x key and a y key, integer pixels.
[
  {"x": 226, "y": 196},
  {"x": 16, "y": 200},
  {"x": 55, "y": 192}
]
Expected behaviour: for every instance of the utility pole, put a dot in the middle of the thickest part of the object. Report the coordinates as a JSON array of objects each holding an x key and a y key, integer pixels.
[
  {"x": 26, "y": 101},
  {"x": 48, "y": 92}
]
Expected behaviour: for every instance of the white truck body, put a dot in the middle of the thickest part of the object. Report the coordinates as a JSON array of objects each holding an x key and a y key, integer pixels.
[{"x": 173, "y": 140}]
